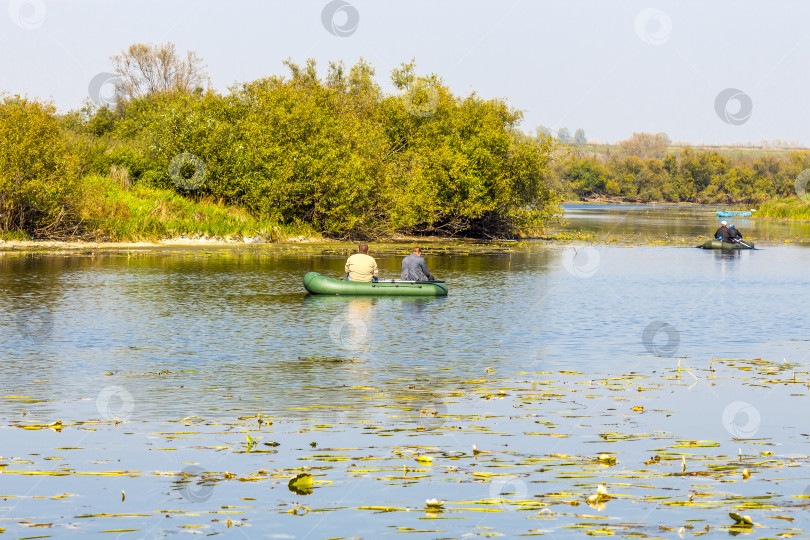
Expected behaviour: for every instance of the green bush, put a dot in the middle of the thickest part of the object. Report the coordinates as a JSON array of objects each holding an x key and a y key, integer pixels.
[
  {"x": 339, "y": 155},
  {"x": 38, "y": 173}
]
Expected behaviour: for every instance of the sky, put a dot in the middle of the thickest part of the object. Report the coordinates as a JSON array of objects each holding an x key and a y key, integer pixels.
[{"x": 718, "y": 72}]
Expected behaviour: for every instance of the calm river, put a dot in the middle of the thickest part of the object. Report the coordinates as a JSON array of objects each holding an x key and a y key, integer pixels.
[{"x": 173, "y": 392}]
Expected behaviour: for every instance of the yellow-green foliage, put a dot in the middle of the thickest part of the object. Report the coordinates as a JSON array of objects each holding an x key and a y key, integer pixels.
[
  {"x": 343, "y": 157},
  {"x": 334, "y": 155},
  {"x": 118, "y": 211},
  {"x": 37, "y": 173},
  {"x": 789, "y": 208},
  {"x": 688, "y": 175}
]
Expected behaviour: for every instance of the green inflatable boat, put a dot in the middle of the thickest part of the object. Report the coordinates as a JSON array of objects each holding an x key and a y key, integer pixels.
[
  {"x": 315, "y": 283},
  {"x": 717, "y": 244}
]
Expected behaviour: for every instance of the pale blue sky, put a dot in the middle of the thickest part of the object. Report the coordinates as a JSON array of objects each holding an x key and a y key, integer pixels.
[{"x": 611, "y": 68}]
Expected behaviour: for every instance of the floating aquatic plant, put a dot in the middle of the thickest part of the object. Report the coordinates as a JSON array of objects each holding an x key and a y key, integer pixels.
[{"x": 301, "y": 484}]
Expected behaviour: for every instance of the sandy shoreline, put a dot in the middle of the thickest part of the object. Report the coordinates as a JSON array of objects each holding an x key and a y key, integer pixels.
[
  {"x": 299, "y": 244},
  {"x": 392, "y": 245},
  {"x": 185, "y": 242}
]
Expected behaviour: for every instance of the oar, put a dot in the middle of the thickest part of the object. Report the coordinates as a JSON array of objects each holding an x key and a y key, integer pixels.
[{"x": 743, "y": 243}]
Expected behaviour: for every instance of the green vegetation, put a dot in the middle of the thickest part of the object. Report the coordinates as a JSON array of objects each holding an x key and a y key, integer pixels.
[
  {"x": 332, "y": 156},
  {"x": 116, "y": 210},
  {"x": 791, "y": 208},
  {"x": 335, "y": 156},
  {"x": 646, "y": 169},
  {"x": 38, "y": 174}
]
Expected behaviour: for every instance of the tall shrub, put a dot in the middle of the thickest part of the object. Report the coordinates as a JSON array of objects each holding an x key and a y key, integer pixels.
[{"x": 38, "y": 176}]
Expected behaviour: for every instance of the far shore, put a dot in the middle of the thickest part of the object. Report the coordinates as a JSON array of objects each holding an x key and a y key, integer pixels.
[{"x": 619, "y": 201}]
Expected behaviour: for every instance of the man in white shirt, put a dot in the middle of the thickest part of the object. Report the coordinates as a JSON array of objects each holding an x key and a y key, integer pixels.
[{"x": 361, "y": 266}]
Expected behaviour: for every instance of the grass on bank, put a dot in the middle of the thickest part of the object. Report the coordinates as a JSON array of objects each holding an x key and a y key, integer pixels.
[
  {"x": 792, "y": 208},
  {"x": 118, "y": 211}
]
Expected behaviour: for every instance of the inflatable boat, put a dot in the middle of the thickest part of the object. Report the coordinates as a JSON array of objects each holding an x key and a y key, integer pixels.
[{"x": 316, "y": 283}]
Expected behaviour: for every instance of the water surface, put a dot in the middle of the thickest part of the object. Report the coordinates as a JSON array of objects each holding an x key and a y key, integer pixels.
[
  {"x": 696, "y": 223},
  {"x": 544, "y": 358}
]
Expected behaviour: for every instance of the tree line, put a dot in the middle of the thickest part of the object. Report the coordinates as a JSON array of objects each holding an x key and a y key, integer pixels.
[
  {"x": 645, "y": 168},
  {"x": 334, "y": 153},
  {"x": 563, "y": 135}
]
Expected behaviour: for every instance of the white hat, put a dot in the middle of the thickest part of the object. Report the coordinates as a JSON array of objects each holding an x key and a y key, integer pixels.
[{"x": 724, "y": 222}]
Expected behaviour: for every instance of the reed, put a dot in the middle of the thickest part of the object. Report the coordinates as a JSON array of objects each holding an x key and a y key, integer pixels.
[{"x": 791, "y": 208}]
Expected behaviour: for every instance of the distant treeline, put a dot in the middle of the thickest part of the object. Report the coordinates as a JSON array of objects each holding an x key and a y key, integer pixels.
[
  {"x": 646, "y": 169},
  {"x": 335, "y": 155}
]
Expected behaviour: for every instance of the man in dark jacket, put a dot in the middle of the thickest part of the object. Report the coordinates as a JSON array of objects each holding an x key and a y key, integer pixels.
[
  {"x": 414, "y": 267},
  {"x": 723, "y": 233},
  {"x": 734, "y": 234}
]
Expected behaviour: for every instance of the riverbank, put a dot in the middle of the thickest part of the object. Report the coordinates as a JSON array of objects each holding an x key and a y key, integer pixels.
[
  {"x": 430, "y": 247},
  {"x": 596, "y": 224},
  {"x": 320, "y": 246}
]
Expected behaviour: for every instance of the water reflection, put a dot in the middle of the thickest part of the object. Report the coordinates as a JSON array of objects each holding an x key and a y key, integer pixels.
[
  {"x": 158, "y": 362},
  {"x": 179, "y": 332},
  {"x": 728, "y": 261},
  {"x": 351, "y": 327}
]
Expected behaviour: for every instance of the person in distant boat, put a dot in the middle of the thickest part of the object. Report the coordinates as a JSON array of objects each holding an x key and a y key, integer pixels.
[
  {"x": 361, "y": 266},
  {"x": 414, "y": 267},
  {"x": 723, "y": 233},
  {"x": 734, "y": 234}
]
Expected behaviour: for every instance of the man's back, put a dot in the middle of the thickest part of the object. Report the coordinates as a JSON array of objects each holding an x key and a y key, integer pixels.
[
  {"x": 723, "y": 234},
  {"x": 415, "y": 269},
  {"x": 361, "y": 267}
]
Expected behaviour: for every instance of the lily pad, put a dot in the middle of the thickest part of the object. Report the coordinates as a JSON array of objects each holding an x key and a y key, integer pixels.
[{"x": 301, "y": 484}]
